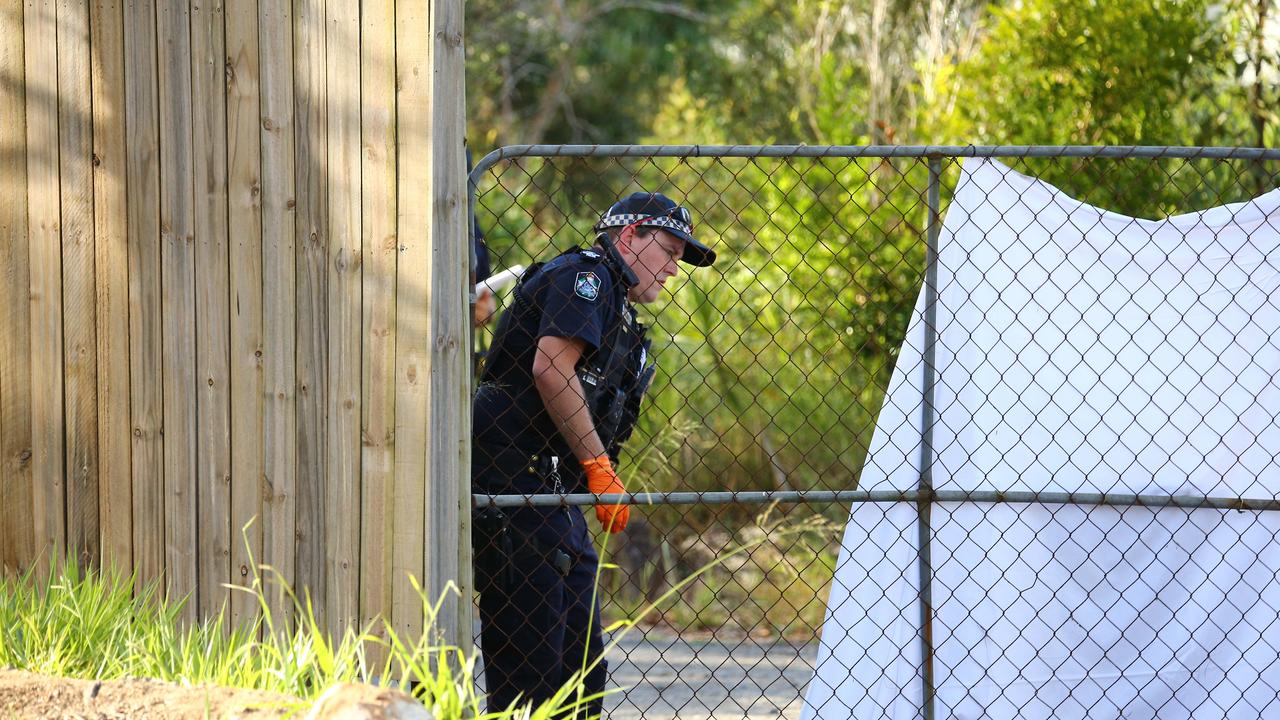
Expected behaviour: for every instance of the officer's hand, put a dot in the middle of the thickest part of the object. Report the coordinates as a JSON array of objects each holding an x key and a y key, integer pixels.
[
  {"x": 485, "y": 307},
  {"x": 602, "y": 479}
]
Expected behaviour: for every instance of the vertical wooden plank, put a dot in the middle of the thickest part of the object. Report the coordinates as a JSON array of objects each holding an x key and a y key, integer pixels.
[
  {"x": 342, "y": 50},
  {"x": 448, "y": 507},
  {"x": 413, "y": 221},
  {"x": 79, "y": 311},
  {"x": 9, "y": 525},
  {"x": 178, "y": 322},
  {"x": 245, "y": 227},
  {"x": 146, "y": 408},
  {"x": 45, "y": 257},
  {"x": 377, "y": 406},
  {"x": 275, "y": 37},
  {"x": 312, "y": 317},
  {"x": 17, "y": 532},
  {"x": 212, "y": 293},
  {"x": 112, "y": 261}
]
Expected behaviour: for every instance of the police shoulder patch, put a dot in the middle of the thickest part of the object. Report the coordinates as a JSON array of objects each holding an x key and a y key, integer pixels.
[
  {"x": 591, "y": 254},
  {"x": 587, "y": 286}
]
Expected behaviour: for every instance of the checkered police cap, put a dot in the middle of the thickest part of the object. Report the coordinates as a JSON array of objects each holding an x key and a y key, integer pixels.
[{"x": 658, "y": 210}]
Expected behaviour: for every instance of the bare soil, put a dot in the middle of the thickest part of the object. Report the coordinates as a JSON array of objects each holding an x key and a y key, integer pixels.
[{"x": 28, "y": 695}]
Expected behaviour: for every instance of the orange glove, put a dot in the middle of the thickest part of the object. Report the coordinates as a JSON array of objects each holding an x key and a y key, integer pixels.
[{"x": 602, "y": 479}]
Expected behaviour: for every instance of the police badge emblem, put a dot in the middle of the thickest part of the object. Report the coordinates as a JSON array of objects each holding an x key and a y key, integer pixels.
[{"x": 587, "y": 286}]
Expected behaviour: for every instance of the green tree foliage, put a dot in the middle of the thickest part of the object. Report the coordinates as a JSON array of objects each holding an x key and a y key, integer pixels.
[
  {"x": 827, "y": 71},
  {"x": 1082, "y": 72},
  {"x": 895, "y": 71},
  {"x": 561, "y": 71}
]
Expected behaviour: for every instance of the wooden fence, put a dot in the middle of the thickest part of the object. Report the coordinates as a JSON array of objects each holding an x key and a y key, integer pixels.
[{"x": 233, "y": 323}]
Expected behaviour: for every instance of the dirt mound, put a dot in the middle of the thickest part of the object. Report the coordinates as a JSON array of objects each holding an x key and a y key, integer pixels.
[{"x": 28, "y": 695}]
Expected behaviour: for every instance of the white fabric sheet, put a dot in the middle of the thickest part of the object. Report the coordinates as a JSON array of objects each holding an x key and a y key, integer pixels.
[{"x": 1078, "y": 350}]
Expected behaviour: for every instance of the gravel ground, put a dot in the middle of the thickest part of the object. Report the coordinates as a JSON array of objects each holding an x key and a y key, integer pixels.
[
  {"x": 32, "y": 696},
  {"x": 669, "y": 676},
  {"x": 662, "y": 675}
]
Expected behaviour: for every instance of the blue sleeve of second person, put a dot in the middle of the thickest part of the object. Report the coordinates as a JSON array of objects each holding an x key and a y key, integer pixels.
[
  {"x": 483, "y": 269},
  {"x": 567, "y": 308}
]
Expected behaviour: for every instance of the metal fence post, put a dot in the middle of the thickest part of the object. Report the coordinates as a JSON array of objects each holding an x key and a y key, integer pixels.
[{"x": 924, "y": 502}]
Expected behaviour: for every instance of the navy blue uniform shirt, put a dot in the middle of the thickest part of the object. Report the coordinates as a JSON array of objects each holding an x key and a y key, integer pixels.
[
  {"x": 572, "y": 296},
  {"x": 483, "y": 268}
]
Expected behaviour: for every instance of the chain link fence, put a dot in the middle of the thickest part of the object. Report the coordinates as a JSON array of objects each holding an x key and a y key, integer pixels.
[{"x": 773, "y": 367}]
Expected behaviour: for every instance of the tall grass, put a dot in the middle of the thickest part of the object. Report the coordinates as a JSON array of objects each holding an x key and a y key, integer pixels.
[{"x": 91, "y": 624}]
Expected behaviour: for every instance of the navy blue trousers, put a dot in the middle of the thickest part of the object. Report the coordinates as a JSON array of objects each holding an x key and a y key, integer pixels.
[{"x": 539, "y": 623}]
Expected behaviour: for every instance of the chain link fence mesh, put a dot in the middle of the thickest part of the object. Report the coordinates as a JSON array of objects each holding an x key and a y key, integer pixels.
[{"x": 772, "y": 367}]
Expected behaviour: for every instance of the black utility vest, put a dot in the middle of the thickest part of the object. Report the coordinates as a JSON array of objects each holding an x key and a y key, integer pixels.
[{"x": 614, "y": 376}]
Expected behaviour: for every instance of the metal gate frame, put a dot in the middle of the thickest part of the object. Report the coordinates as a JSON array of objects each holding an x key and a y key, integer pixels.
[{"x": 925, "y": 495}]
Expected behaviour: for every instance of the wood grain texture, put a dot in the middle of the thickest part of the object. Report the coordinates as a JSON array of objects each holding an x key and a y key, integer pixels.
[
  {"x": 311, "y": 167},
  {"x": 244, "y": 223},
  {"x": 44, "y": 233},
  {"x": 413, "y": 221},
  {"x": 178, "y": 321},
  {"x": 279, "y": 421},
  {"x": 146, "y": 407},
  {"x": 79, "y": 311},
  {"x": 212, "y": 288},
  {"x": 377, "y": 406},
  {"x": 110, "y": 216},
  {"x": 234, "y": 270},
  {"x": 342, "y": 464},
  {"x": 17, "y": 531},
  {"x": 448, "y": 504}
]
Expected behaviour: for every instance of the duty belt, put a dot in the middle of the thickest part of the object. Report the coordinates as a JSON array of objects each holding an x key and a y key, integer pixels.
[{"x": 547, "y": 468}]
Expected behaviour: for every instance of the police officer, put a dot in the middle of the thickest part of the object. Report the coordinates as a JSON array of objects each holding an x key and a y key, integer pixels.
[{"x": 558, "y": 396}]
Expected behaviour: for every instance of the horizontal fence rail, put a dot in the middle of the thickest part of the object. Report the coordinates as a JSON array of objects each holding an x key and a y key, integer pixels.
[
  {"x": 883, "y": 496},
  {"x": 874, "y": 151}
]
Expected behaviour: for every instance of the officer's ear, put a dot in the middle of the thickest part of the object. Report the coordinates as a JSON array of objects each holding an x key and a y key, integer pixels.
[{"x": 629, "y": 234}]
